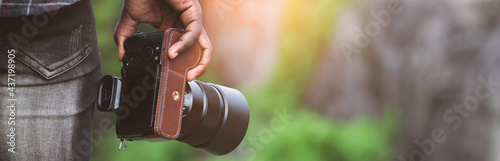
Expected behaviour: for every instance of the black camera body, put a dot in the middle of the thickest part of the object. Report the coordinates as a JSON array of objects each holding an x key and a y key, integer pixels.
[
  {"x": 214, "y": 118},
  {"x": 138, "y": 91}
]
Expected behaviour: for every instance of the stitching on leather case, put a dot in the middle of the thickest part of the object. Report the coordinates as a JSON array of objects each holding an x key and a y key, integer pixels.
[
  {"x": 164, "y": 73},
  {"x": 163, "y": 133},
  {"x": 160, "y": 95},
  {"x": 177, "y": 73}
]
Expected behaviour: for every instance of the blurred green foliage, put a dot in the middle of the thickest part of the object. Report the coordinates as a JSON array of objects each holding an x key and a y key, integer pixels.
[{"x": 306, "y": 135}]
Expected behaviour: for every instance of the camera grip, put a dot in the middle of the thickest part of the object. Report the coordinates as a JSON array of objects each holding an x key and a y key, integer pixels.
[{"x": 172, "y": 85}]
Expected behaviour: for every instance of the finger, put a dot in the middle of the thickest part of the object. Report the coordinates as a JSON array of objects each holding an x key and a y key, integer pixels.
[
  {"x": 186, "y": 41},
  {"x": 170, "y": 19},
  {"x": 190, "y": 17},
  {"x": 125, "y": 27},
  {"x": 202, "y": 67}
]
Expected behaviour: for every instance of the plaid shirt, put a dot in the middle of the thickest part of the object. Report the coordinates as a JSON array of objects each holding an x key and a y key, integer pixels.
[{"x": 11, "y": 8}]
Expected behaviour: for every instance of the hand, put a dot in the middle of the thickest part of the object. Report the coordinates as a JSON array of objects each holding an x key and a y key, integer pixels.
[{"x": 163, "y": 14}]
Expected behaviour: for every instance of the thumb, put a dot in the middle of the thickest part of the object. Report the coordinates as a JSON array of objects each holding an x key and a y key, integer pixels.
[{"x": 125, "y": 27}]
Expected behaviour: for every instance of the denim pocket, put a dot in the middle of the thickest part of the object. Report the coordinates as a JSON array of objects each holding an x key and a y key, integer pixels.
[
  {"x": 55, "y": 54},
  {"x": 53, "y": 43}
]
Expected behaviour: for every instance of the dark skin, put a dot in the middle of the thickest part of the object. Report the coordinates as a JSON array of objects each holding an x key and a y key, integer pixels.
[{"x": 163, "y": 14}]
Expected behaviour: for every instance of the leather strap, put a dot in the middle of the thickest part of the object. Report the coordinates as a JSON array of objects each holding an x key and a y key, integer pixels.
[{"x": 173, "y": 78}]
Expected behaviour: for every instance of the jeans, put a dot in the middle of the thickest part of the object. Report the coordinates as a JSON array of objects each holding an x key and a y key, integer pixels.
[{"x": 57, "y": 69}]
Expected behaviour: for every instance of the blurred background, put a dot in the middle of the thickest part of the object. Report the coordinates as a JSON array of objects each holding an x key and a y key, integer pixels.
[{"x": 342, "y": 80}]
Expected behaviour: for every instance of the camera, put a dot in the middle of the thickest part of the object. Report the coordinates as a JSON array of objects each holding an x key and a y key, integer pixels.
[{"x": 152, "y": 105}]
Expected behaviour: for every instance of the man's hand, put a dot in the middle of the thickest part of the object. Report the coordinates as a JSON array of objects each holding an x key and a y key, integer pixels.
[{"x": 163, "y": 14}]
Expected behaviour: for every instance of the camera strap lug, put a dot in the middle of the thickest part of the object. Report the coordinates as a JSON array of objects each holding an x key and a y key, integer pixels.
[{"x": 122, "y": 142}]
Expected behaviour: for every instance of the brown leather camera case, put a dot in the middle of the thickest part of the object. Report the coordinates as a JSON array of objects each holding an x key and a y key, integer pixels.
[{"x": 172, "y": 83}]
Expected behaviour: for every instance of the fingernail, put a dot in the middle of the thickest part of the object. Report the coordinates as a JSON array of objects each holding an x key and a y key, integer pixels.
[{"x": 175, "y": 55}]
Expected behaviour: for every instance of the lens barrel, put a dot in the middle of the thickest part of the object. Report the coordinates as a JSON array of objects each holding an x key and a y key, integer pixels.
[{"x": 215, "y": 117}]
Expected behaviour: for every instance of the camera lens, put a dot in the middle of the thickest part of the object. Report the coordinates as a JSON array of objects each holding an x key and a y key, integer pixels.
[
  {"x": 215, "y": 117},
  {"x": 147, "y": 52}
]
